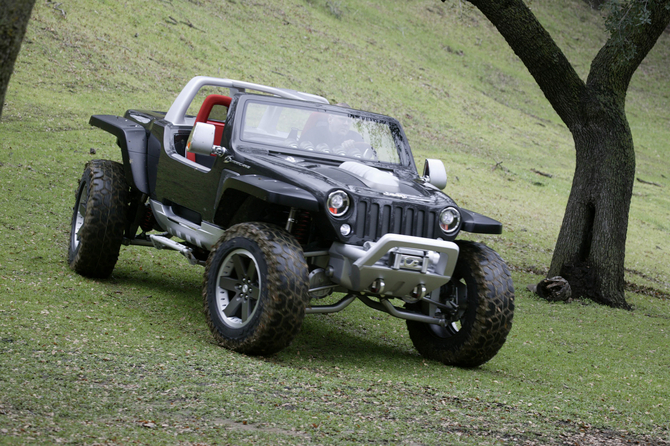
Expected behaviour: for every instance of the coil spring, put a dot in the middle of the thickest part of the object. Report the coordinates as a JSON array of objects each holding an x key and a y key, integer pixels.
[
  {"x": 149, "y": 221},
  {"x": 301, "y": 227}
]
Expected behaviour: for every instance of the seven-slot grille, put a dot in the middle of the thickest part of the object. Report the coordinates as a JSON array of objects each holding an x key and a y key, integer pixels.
[{"x": 376, "y": 219}]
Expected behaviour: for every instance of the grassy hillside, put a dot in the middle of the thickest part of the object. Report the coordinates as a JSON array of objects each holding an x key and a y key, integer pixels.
[
  {"x": 130, "y": 359},
  {"x": 440, "y": 68}
]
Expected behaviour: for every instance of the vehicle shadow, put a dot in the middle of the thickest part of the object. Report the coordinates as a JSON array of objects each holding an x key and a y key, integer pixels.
[
  {"x": 354, "y": 337},
  {"x": 343, "y": 339},
  {"x": 174, "y": 289}
]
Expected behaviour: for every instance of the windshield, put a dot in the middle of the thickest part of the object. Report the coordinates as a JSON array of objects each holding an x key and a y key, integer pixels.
[{"x": 306, "y": 129}]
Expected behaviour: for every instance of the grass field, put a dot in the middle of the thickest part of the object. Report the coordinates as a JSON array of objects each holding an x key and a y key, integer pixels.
[{"x": 130, "y": 360}]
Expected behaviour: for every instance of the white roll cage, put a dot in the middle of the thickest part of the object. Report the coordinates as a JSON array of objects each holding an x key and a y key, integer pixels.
[{"x": 177, "y": 112}]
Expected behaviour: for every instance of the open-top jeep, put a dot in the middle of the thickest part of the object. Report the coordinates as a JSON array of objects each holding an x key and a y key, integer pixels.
[{"x": 285, "y": 200}]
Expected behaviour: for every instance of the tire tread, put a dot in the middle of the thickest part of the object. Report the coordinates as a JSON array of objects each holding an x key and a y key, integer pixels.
[
  {"x": 479, "y": 341},
  {"x": 287, "y": 290},
  {"x": 105, "y": 220}
]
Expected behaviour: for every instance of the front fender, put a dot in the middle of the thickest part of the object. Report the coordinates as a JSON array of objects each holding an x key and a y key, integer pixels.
[
  {"x": 479, "y": 224},
  {"x": 272, "y": 191},
  {"x": 132, "y": 139}
]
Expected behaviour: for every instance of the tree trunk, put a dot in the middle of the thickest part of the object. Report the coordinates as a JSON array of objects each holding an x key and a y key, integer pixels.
[
  {"x": 595, "y": 4},
  {"x": 590, "y": 249},
  {"x": 14, "y": 17}
]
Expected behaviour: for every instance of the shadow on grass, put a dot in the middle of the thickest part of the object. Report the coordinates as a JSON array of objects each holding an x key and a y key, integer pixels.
[
  {"x": 356, "y": 338},
  {"x": 180, "y": 285},
  {"x": 335, "y": 341}
]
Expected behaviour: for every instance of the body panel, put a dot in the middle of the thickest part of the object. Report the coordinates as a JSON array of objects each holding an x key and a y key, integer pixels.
[{"x": 132, "y": 139}]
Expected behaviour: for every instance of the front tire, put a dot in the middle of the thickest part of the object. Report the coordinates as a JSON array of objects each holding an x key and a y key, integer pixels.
[
  {"x": 99, "y": 219},
  {"x": 482, "y": 328},
  {"x": 255, "y": 289}
]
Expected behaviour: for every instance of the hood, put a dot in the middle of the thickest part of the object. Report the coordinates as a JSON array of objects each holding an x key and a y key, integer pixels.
[
  {"x": 356, "y": 174},
  {"x": 358, "y": 177}
]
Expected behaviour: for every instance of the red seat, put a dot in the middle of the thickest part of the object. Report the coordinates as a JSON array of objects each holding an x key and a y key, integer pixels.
[
  {"x": 203, "y": 116},
  {"x": 314, "y": 119}
]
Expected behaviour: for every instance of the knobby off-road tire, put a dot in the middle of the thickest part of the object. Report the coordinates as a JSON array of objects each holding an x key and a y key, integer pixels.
[
  {"x": 487, "y": 320},
  {"x": 99, "y": 219},
  {"x": 255, "y": 289}
]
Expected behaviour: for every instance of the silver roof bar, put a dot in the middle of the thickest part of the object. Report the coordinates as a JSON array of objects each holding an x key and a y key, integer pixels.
[{"x": 177, "y": 112}]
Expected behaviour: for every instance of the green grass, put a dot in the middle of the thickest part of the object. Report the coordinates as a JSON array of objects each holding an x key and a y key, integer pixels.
[{"x": 130, "y": 359}]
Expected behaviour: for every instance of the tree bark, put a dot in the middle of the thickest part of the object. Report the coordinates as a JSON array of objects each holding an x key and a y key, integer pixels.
[
  {"x": 590, "y": 249},
  {"x": 14, "y": 17},
  {"x": 595, "y": 4}
]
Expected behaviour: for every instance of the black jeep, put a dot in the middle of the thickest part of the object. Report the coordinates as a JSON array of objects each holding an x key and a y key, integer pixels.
[{"x": 285, "y": 200}]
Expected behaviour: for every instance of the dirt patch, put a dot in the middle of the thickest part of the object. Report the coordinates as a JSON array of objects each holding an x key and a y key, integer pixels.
[
  {"x": 647, "y": 291},
  {"x": 610, "y": 438}
]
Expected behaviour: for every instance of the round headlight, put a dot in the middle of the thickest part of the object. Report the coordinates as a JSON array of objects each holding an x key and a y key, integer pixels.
[
  {"x": 450, "y": 219},
  {"x": 338, "y": 203}
]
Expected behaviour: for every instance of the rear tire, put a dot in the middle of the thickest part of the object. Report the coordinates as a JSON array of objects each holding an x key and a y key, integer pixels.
[
  {"x": 99, "y": 219},
  {"x": 487, "y": 320},
  {"x": 255, "y": 289}
]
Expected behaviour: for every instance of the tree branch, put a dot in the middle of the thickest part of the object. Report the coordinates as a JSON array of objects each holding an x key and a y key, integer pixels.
[
  {"x": 634, "y": 40},
  {"x": 537, "y": 50}
]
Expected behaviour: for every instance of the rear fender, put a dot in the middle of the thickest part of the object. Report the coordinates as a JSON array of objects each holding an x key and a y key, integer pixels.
[{"x": 132, "y": 139}]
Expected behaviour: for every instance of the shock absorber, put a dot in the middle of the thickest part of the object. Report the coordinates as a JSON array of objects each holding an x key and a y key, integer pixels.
[
  {"x": 148, "y": 221},
  {"x": 301, "y": 227}
]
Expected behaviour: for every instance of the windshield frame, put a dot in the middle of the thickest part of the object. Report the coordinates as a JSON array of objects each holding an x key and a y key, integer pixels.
[{"x": 243, "y": 145}]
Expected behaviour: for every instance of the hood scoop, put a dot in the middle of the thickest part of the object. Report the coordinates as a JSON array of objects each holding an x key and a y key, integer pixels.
[{"x": 372, "y": 177}]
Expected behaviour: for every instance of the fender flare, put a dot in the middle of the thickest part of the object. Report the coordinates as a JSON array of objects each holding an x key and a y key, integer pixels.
[
  {"x": 132, "y": 139},
  {"x": 272, "y": 191},
  {"x": 479, "y": 224}
]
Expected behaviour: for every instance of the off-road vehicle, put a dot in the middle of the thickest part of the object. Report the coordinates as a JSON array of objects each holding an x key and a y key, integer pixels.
[{"x": 294, "y": 206}]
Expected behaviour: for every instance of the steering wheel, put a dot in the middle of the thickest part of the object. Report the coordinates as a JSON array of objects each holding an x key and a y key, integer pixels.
[{"x": 359, "y": 149}]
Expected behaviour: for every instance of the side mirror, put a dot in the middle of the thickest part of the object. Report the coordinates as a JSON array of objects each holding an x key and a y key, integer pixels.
[
  {"x": 435, "y": 173},
  {"x": 201, "y": 139}
]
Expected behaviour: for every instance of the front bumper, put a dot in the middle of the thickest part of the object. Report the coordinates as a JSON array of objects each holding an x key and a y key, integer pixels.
[{"x": 401, "y": 266}]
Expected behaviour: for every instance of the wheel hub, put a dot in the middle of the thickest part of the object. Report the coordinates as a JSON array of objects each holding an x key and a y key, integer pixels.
[{"x": 238, "y": 284}]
